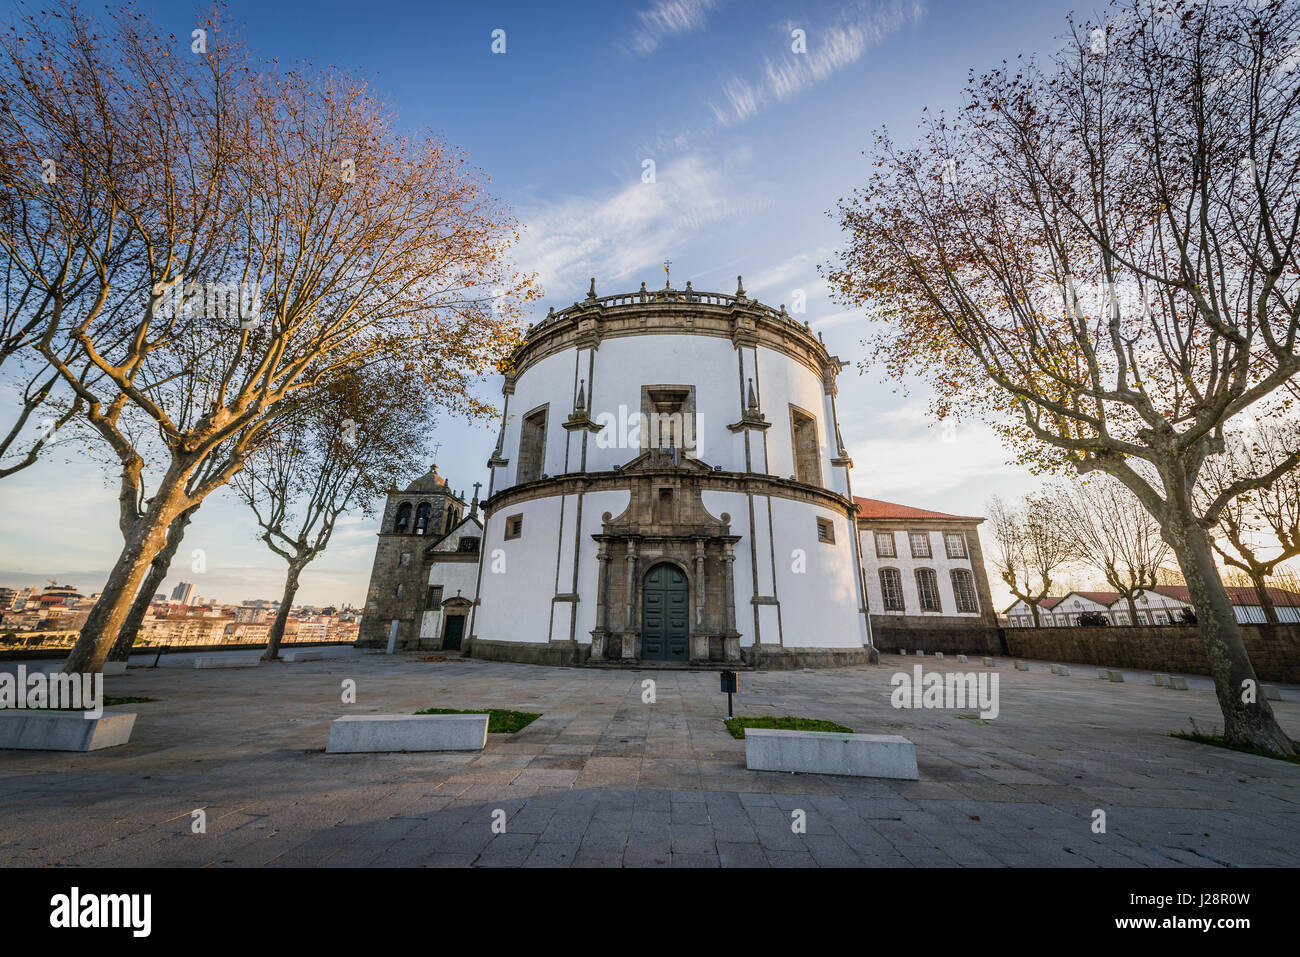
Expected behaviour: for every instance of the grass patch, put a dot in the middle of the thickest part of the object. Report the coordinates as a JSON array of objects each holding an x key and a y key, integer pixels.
[
  {"x": 499, "y": 721},
  {"x": 1217, "y": 741},
  {"x": 787, "y": 722},
  {"x": 972, "y": 717}
]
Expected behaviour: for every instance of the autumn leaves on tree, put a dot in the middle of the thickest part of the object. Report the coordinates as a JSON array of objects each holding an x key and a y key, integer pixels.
[
  {"x": 1099, "y": 256},
  {"x": 221, "y": 238}
]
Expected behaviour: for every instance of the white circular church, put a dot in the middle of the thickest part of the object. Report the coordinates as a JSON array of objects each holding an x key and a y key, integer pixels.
[{"x": 669, "y": 485}]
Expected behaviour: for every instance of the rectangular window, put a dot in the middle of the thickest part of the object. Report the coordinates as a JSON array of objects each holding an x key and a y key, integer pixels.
[
  {"x": 891, "y": 589},
  {"x": 956, "y": 544},
  {"x": 435, "y": 597},
  {"x": 532, "y": 446},
  {"x": 885, "y": 545},
  {"x": 1121, "y": 618},
  {"x": 963, "y": 590},
  {"x": 826, "y": 531},
  {"x": 927, "y": 589},
  {"x": 514, "y": 526},
  {"x": 807, "y": 451},
  {"x": 469, "y": 545},
  {"x": 920, "y": 544}
]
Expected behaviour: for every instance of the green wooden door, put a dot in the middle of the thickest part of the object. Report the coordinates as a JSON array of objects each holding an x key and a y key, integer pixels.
[
  {"x": 455, "y": 629},
  {"x": 665, "y": 615}
]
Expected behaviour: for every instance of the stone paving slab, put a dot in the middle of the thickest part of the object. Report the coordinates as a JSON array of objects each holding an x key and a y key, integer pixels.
[{"x": 604, "y": 779}]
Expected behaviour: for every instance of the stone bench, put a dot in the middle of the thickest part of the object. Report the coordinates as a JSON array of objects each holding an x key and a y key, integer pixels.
[
  {"x": 938, "y": 654},
  {"x": 1160, "y": 680},
  {"x": 227, "y": 661},
  {"x": 114, "y": 668},
  {"x": 1022, "y": 666},
  {"x": 1270, "y": 692},
  {"x": 1060, "y": 670},
  {"x": 1178, "y": 682},
  {"x": 63, "y": 730},
  {"x": 962, "y": 659},
  {"x": 408, "y": 732},
  {"x": 990, "y": 663},
  {"x": 829, "y": 752},
  {"x": 1109, "y": 674},
  {"x": 304, "y": 654}
]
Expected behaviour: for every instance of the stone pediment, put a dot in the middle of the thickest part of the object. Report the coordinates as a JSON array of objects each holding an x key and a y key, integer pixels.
[
  {"x": 665, "y": 502},
  {"x": 656, "y": 460}
]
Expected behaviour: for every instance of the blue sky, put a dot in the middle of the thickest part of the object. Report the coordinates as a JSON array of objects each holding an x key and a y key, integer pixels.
[{"x": 753, "y": 145}]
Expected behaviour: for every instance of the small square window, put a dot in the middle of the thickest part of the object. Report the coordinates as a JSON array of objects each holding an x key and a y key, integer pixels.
[
  {"x": 514, "y": 526},
  {"x": 920, "y": 544},
  {"x": 885, "y": 545},
  {"x": 955, "y": 543},
  {"x": 826, "y": 531}
]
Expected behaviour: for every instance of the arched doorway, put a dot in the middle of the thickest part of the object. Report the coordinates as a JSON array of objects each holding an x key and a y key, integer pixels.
[{"x": 665, "y": 614}]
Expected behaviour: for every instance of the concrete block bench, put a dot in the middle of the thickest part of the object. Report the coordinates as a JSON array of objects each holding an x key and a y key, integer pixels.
[
  {"x": 1160, "y": 680},
  {"x": 1060, "y": 670},
  {"x": 1022, "y": 666},
  {"x": 1177, "y": 682},
  {"x": 63, "y": 730},
  {"x": 962, "y": 659},
  {"x": 938, "y": 654},
  {"x": 829, "y": 752},
  {"x": 304, "y": 654},
  {"x": 990, "y": 663},
  {"x": 227, "y": 661},
  {"x": 408, "y": 732},
  {"x": 114, "y": 668},
  {"x": 1270, "y": 692}
]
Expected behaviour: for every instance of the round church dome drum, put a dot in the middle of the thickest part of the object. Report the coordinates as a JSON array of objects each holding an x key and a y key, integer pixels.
[{"x": 669, "y": 484}]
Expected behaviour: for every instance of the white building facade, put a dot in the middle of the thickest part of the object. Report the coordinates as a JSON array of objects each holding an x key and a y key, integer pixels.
[{"x": 669, "y": 484}]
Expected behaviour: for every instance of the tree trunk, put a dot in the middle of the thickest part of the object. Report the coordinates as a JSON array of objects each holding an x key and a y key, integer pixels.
[
  {"x": 1265, "y": 600},
  {"x": 1245, "y": 724},
  {"x": 1132, "y": 611},
  {"x": 158, "y": 569},
  {"x": 143, "y": 540},
  {"x": 286, "y": 602},
  {"x": 1033, "y": 607}
]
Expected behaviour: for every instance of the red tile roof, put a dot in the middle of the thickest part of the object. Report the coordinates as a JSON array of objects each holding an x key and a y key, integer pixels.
[
  {"x": 1237, "y": 594},
  {"x": 1101, "y": 597},
  {"x": 875, "y": 508}
]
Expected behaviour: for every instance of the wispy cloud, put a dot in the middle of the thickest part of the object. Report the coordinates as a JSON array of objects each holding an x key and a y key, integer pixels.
[
  {"x": 669, "y": 18},
  {"x": 829, "y": 49},
  {"x": 615, "y": 235}
]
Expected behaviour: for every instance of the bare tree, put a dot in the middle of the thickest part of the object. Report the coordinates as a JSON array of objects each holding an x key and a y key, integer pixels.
[
  {"x": 1028, "y": 548},
  {"x": 1109, "y": 531},
  {"x": 285, "y": 232},
  {"x": 1262, "y": 520},
  {"x": 1101, "y": 256},
  {"x": 339, "y": 449}
]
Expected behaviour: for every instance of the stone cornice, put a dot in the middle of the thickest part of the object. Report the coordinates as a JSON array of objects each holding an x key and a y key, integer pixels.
[
  {"x": 743, "y": 321},
  {"x": 743, "y": 482}
]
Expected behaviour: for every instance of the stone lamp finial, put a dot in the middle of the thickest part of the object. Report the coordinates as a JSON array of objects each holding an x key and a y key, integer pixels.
[
  {"x": 740, "y": 287},
  {"x": 591, "y": 291},
  {"x": 753, "y": 399},
  {"x": 582, "y": 396}
]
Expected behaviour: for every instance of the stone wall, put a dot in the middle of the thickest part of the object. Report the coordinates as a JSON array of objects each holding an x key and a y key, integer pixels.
[
  {"x": 913, "y": 633},
  {"x": 1274, "y": 650}
]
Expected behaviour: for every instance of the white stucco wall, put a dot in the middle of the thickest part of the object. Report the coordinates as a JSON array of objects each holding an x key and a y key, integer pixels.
[
  {"x": 623, "y": 365},
  {"x": 907, "y": 566}
]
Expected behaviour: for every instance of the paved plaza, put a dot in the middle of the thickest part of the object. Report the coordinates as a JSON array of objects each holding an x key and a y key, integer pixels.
[{"x": 604, "y": 779}]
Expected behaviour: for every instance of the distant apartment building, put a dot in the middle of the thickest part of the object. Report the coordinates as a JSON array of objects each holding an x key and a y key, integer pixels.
[{"x": 183, "y": 593}]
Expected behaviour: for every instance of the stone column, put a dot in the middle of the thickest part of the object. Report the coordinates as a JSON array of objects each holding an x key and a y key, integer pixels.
[
  {"x": 700, "y": 592},
  {"x": 602, "y": 603},
  {"x": 729, "y": 583},
  {"x": 631, "y": 633}
]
